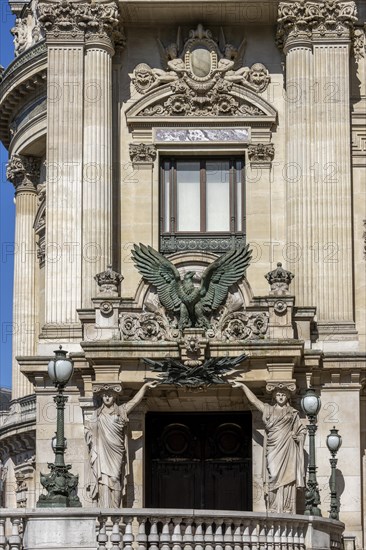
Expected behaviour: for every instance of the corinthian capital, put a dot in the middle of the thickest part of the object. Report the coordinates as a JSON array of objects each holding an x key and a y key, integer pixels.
[
  {"x": 91, "y": 18},
  {"x": 304, "y": 20},
  {"x": 23, "y": 172}
]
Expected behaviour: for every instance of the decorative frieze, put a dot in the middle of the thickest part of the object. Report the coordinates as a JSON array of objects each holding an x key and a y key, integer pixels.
[
  {"x": 142, "y": 153},
  {"x": 261, "y": 153},
  {"x": 324, "y": 19},
  {"x": 23, "y": 172},
  {"x": 198, "y": 135},
  {"x": 92, "y": 18}
]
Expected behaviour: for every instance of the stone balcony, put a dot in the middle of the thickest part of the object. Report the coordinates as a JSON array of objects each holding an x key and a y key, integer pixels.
[{"x": 147, "y": 529}]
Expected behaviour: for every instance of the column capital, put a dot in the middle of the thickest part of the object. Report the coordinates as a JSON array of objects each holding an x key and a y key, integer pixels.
[
  {"x": 302, "y": 20},
  {"x": 89, "y": 20},
  {"x": 23, "y": 172}
]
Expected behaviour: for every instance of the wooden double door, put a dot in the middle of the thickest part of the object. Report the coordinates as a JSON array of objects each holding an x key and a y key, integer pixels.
[{"x": 200, "y": 461}]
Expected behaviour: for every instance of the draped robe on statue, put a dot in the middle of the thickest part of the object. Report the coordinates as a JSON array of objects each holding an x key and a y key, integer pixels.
[
  {"x": 283, "y": 464},
  {"x": 106, "y": 436}
]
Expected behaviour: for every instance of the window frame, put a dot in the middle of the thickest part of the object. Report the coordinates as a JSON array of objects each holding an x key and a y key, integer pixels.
[{"x": 171, "y": 224}]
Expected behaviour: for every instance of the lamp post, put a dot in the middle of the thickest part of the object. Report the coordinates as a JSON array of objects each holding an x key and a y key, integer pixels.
[
  {"x": 334, "y": 442},
  {"x": 60, "y": 483},
  {"x": 310, "y": 404}
]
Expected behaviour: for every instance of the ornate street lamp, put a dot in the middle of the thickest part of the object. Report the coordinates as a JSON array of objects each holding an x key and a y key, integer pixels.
[
  {"x": 60, "y": 483},
  {"x": 334, "y": 442},
  {"x": 310, "y": 404}
]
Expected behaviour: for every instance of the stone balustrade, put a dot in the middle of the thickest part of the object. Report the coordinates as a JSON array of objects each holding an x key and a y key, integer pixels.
[
  {"x": 21, "y": 410},
  {"x": 148, "y": 529}
]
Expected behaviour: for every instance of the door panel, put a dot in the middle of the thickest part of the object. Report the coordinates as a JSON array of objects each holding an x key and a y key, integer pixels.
[{"x": 199, "y": 461}]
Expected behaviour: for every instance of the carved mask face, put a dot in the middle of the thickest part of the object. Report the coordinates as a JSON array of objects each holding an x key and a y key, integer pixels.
[
  {"x": 281, "y": 398},
  {"x": 108, "y": 399}
]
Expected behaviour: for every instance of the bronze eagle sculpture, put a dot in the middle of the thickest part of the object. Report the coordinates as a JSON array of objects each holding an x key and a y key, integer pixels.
[{"x": 191, "y": 303}]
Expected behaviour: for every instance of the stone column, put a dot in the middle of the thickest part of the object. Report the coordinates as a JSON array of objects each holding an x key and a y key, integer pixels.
[
  {"x": 65, "y": 42},
  {"x": 332, "y": 171},
  {"x": 23, "y": 172},
  {"x": 316, "y": 40},
  {"x": 97, "y": 153},
  {"x": 294, "y": 36}
]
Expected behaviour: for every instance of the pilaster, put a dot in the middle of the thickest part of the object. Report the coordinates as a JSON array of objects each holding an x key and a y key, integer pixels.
[{"x": 24, "y": 172}]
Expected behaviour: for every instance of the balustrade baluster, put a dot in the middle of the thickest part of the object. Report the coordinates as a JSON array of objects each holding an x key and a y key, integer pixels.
[
  {"x": 253, "y": 535},
  {"x": 284, "y": 541},
  {"x": 128, "y": 538},
  {"x": 262, "y": 538},
  {"x": 302, "y": 536},
  {"x": 218, "y": 537},
  {"x": 290, "y": 536},
  {"x": 102, "y": 536},
  {"x": 15, "y": 540},
  {"x": 165, "y": 537},
  {"x": 228, "y": 535},
  {"x": 277, "y": 536},
  {"x": 209, "y": 536},
  {"x": 2, "y": 534},
  {"x": 237, "y": 538},
  {"x": 153, "y": 537},
  {"x": 177, "y": 534},
  {"x": 296, "y": 536},
  {"x": 116, "y": 537},
  {"x": 270, "y": 536},
  {"x": 188, "y": 535},
  {"x": 246, "y": 536},
  {"x": 141, "y": 535},
  {"x": 198, "y": 537}
]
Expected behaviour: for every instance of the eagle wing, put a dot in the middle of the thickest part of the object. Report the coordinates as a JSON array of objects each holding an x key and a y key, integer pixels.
[
  {"x": 221, "y": 274},
  {"x": 161, "y": 273}
]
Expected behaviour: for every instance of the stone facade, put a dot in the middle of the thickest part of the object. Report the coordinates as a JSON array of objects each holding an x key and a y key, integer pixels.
[{"x": 101, "y": 108}]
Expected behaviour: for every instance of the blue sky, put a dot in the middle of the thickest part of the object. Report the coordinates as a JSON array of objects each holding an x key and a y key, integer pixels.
[{"x": 7, "y": 211}]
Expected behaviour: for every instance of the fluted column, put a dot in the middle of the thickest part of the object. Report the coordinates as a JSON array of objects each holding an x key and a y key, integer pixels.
[
  {"x": 65, "y": 82},
  {"x": 332, "y": 162},
  {"x": 300, "y": 198},
  {"x": 315, "y": 38},
  {"x": 97, "y": 154},
  {"x": 23, "y": 172}
]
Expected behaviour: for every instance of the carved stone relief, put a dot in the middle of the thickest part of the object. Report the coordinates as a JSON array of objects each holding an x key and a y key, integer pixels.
[
  {"x": 40, "y": 224},
  {"x": 201, "y": 74},
  {"x": 329, "y": 19},
  {"x": 93, "y": 19},
  {"x": 142, "y": 153},
  {"x": 26, "y": 31},
  {"x": 23, "y": 172},
  {"x": 260, "y": 153}
]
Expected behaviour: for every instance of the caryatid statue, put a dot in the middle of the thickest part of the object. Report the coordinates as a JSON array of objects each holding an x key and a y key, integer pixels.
[
  {"x": 283, "y": 450},
  {"x": 106, "y": 434}
]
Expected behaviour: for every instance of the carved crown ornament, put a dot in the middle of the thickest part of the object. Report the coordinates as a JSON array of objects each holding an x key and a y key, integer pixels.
[
  {"x": 91, "y": 18},
  {"x": 109, "y": 281},
  {"x": 23, "y": 172},
  {"x": 322, "y": 19},
  {"x": 201, "y": 76},
  {"x": 279, "y": 280}
]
